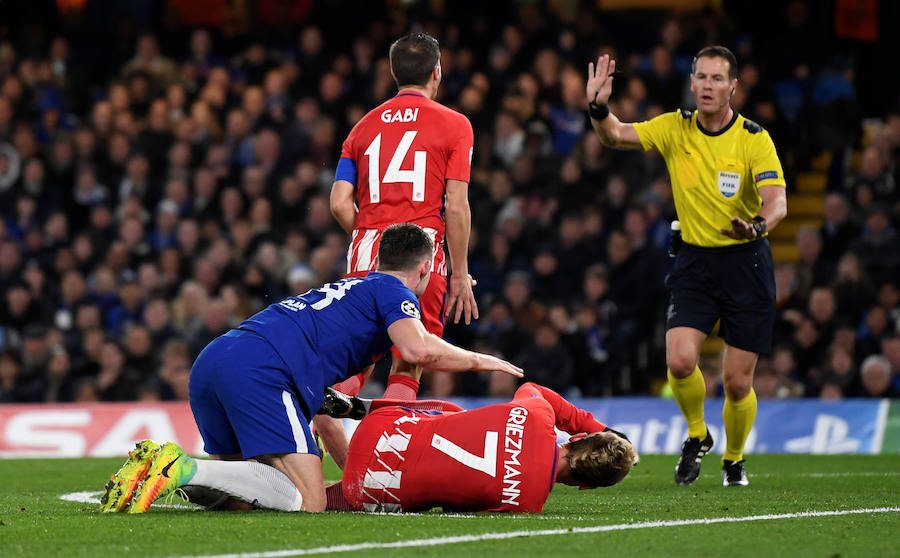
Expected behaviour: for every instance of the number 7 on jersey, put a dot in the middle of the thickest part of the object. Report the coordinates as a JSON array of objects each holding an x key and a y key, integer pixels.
[
  {"x": 393, "y": 174},
  {"x": 486, "y": 464}
]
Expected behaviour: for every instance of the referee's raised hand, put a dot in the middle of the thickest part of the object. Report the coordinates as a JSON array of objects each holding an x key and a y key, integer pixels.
[{"x": 599, "y": 82}]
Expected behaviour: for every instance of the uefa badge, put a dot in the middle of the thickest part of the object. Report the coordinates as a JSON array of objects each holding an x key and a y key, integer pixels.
[{"x": 410, "y": 309}]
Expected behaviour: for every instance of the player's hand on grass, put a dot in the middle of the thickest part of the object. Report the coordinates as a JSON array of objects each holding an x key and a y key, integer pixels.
[
  {"x": 461, "y": 302},
  {"x": 599, "y": 82},
  {"x": 740, "y": 230}
]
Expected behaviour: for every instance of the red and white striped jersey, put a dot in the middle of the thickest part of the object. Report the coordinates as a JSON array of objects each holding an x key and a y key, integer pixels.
[
  {"x": 404, "y": 151},
  {"x": 363, "y": 254},
  {"x": 496, "y": 458}
]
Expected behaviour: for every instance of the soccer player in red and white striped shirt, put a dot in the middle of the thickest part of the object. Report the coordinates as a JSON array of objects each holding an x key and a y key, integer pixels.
[
  {"x": 500, "y": 458},
  {"x": 409, "y": 160}
]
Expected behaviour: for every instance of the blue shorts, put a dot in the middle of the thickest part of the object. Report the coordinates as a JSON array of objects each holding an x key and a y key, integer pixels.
[{"x": 244, "y": 401}]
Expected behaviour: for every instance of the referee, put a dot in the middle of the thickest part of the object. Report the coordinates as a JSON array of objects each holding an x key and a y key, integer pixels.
[{"x": 729, "y": 190}]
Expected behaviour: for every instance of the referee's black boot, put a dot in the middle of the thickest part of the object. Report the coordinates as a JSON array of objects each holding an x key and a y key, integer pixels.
[
  {"x": 339, "y": 405},
  {"x": 733, "y": 473},
  {"x": 692, "y": 451}
]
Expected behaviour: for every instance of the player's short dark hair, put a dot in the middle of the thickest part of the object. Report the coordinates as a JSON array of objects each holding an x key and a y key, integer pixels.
[
  {"x": 413, "y": 57},
  {"x": 403, "y": 246},
  {"x": 601, "y": 459},
  {"x": 717, "y": 51}
]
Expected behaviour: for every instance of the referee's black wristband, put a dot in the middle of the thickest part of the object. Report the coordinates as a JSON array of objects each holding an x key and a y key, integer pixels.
[
  {"x": 759, "y": 225},
  {"x": 598, "y": 112}
]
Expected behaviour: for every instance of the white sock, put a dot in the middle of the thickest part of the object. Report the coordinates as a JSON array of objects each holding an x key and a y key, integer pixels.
[{"x": 249, "y": 481}]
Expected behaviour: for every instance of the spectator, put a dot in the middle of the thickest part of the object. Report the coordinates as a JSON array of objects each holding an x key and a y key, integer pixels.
[
  {"x": 879, "y": 246},
  {"x": 547, "y": 360},
  {"x": 837, "y": 231},
  {"x": 876, "y": 378}
]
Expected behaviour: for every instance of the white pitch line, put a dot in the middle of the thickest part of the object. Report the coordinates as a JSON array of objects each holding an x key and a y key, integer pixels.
[
  {"x": 831, "y": 475},
  {"x": 93, "y": 497},
  {"x": 540, "y": 533}
]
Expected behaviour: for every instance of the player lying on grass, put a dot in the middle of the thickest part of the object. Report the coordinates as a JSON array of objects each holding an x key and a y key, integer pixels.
[
  {"x": 416, "y": 455},
  {"x": 251, "y": 389},
  {"x": 500, "y": 457}
]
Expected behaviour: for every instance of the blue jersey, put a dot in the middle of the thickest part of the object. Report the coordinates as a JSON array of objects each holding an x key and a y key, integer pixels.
[{"x": 328, "y": 334}]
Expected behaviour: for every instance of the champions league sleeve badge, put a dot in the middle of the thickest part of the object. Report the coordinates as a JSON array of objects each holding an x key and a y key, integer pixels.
[{"x": 410, "y": 309}]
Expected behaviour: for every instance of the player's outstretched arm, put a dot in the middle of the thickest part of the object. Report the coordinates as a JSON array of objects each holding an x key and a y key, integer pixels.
[
  {"x": 569, "y": 418},
  {"x": 418, "y": 346},
  {"x": 342, "y": 206},
  {"x": 612, "y": 132},
  {"x": 461, "y": 302}
]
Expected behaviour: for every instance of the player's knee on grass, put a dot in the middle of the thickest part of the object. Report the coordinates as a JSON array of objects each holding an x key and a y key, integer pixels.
[
  {"x": 305, "y": 471},
  {"x": 601, "y": 459}
]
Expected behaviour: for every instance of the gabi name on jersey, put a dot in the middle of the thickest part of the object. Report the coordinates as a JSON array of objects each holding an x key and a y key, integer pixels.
[{"x": 400, "y": 115}]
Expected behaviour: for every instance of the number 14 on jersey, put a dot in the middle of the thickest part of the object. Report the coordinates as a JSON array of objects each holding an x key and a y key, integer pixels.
[{"x": 416, "y": 176}]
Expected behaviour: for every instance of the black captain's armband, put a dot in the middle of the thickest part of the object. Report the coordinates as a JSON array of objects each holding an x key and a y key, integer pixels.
[
  {"x": 752, "y": 127},
  {"x": 686, "y": 114}
]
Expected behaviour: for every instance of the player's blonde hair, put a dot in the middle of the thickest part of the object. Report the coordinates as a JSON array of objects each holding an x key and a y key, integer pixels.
[{"x": 601, "y": 459}]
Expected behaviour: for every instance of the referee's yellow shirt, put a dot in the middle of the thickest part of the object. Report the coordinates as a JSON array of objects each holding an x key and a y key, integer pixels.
[{"x": 715, "y": 175}]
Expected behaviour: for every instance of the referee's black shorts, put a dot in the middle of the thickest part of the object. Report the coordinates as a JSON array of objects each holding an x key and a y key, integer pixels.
[{"x": 733, "y": 283}]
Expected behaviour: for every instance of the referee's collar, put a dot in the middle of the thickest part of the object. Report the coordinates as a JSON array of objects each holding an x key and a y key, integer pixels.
[{"x": 720, "y": 132}]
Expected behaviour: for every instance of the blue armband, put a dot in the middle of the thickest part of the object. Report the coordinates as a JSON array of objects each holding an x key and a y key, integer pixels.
[{"x": 346, "y": 170}]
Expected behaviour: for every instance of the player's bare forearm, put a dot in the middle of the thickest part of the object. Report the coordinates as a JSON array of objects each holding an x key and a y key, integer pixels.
[
  {"x": 342, "y": 205},
  {"x": 459, "y": 227},
  {"x": 457, "y": 214},
  {"x": 418, "y": 346}
]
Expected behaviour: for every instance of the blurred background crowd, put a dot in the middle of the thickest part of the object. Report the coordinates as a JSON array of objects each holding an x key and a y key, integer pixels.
[{"x": 165, "y": 169}]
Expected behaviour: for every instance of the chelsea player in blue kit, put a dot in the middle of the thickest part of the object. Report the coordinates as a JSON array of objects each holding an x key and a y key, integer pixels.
[{"x": 253, "y": 389}]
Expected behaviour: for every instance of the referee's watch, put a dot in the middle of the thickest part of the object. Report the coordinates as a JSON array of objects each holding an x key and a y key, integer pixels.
[{"x": 759, "y": 225}]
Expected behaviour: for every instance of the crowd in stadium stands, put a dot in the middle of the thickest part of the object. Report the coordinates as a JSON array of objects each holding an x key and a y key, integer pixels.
[{"x": 159, "y": 183}]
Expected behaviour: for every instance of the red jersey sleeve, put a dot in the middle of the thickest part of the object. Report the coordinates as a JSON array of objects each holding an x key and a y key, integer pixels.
[
  {"x": 569, "y": 418},
  {"x": 459, "y": 160}
]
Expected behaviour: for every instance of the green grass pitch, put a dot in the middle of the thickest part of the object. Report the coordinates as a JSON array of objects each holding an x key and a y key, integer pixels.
[{"x": 618, "y": 521}]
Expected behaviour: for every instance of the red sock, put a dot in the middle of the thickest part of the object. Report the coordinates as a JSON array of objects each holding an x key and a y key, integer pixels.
[
  {"x": 351, "y": 385},
  {"x": 401, "y": 387},
  {"x": 334, "y": 498},
  {"x": 418, "y": 404}
]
